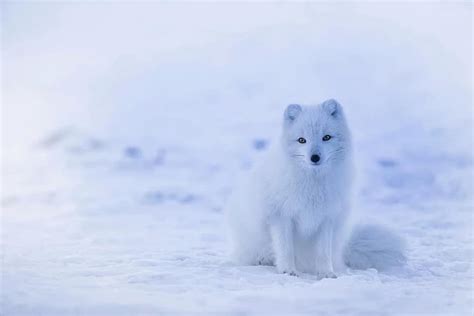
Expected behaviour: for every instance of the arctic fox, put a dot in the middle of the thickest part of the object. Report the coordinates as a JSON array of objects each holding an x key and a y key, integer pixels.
[{"x": 292, "y": 212}]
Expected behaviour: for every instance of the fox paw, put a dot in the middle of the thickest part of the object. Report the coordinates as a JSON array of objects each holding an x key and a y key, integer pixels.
[
  {"x": 291, "y": 272},
  {"x": 264, "y": 262},
  {"x": 326, "y": 275}
]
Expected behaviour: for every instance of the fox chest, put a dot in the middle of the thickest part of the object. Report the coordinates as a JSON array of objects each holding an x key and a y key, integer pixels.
[
  {"x": 307, "y": 209},
  {"x": 309, "y": 215}
]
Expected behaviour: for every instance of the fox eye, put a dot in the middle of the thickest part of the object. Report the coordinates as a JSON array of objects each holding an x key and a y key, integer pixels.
[
  {"x": 326, "y": 138},
  {"x": 301, "y": 140}
]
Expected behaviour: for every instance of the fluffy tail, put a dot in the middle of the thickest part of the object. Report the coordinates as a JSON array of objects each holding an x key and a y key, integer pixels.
[{"x": 375, "y": 247}]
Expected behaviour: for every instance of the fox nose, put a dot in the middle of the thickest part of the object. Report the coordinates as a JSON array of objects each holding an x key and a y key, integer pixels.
[{"x": 315, "y": 158}]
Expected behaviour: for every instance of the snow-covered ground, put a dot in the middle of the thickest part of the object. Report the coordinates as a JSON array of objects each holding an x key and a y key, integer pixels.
[{"x": 125, "y": 126}]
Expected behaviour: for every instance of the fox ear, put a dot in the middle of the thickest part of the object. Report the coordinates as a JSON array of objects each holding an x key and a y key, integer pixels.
[
  {"x": 292, "y": 111},
  {"x": 332, "y": 107}
]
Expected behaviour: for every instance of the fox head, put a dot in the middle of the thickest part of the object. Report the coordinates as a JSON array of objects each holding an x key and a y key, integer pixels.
[{"x": 316, "y": 137}]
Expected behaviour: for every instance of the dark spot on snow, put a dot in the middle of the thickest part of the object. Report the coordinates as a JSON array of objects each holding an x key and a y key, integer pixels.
[
  {"x": 260, "y": 144},
  {"x": 188, "y": 198},
  {"x": 462, "y": 161},
  {"x": 72, "y": 141},
  {"x": 245, "y": 163},
  {"x": 216, "y": 209},
  {"x": 132, "y": 152},
  {"x": 159, "y": 158},
  {"x": 95, "y": 144},
  {"x": 154, "y": 197},
  {"x": 181, "y": 258},
  {"x": 387, "y": 163},
  {"x": 214, "y": 168},
  {"x": 157, "y": 197},
  {"x": 181, "y": 198},
  {"x": 56, "y": 137},
  {"x": 410, "y": 180}
]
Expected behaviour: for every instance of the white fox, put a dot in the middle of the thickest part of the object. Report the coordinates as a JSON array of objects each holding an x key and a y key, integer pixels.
[{"x": 292, "y": 212}]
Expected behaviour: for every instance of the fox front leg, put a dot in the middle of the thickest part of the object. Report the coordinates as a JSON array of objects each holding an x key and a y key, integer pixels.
[
  {"x": 283, "y": 246},
  {"x": 324, "y": 240}
]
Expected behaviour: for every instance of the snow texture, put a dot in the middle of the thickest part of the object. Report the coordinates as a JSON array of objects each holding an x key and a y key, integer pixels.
[{"x": 126, "y": 125}]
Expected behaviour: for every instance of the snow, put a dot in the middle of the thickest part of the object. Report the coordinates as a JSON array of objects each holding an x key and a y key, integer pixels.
[{"x": 126, "y": 125}]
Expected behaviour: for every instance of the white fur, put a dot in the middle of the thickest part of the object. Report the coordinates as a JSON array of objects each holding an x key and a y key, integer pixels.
[
  {"x": 291, "y": 212},
  {"x": 375, "y": 247}
]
